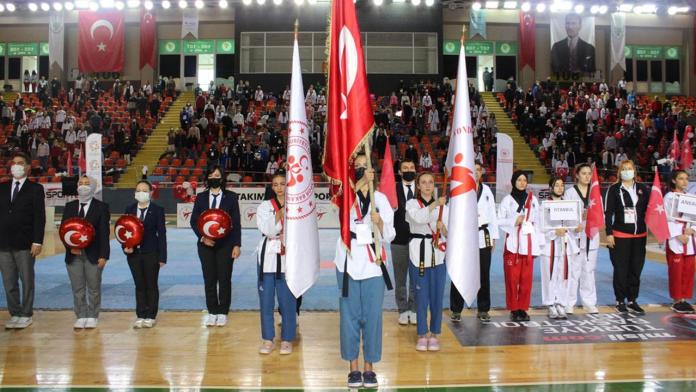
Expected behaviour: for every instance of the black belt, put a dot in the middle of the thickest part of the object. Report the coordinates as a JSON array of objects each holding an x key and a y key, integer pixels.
[
  {"x": 421, "y": 262},
  {"x": 263, "y": 257},
  {"x": 486, "y": 235},
  {"x": 382, "y": 266}
]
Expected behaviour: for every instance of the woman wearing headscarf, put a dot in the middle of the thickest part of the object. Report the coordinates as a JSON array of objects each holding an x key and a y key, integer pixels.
[{"x": 519, "y": 219}]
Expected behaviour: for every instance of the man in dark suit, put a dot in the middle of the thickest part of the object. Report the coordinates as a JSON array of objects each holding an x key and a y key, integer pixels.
[
  {"x": 572, "y": 54},
  {"x": 146, "y": 259},
  {"x": 85, "y": 266},
  {"x": 22, "y": 221},
  {"x": 217, "y": 256},
  {"x": 405, "y": 293}
]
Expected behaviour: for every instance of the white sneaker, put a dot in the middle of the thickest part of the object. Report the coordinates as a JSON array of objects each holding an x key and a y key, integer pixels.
[
  {"x": 569, "y": 309},
  {"x": 266, "y": 347},
  {"x": 591, "y": 309},
  {"x": 90, "y": 323},
  {"x": 221, "y": 320},
  {"x": 149, "y": 323},
  {"x": 553, "y": 313},
  {"x": 12, "y": 322},
  {"x": 403, "y": 318},
  {"x": 285, "y": 348},
  {"x": 562, "y": 314},
  {"x": 79, "y": 323},
  {"x": 138, "y": 323},
  {"x": 23, "y": 322},
  {"x": 413, "y": 318},
  {"x": 211, "y": 320}
]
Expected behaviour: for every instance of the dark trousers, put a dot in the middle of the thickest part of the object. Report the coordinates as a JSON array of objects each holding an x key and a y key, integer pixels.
[
  {"x": 483, "y": 298},
  {"x": 216, "y": 263},
  {"x": 628, "y": 258},
  {"x": 145, "y": 269}
]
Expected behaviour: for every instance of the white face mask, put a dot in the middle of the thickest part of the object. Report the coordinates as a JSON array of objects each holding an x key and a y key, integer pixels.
[
  {"x": 84, "y": 193},
  {"x": 17, "y": 171},
  {"x": 142, "y": 197},
  {"x": 627, "y": 175}
]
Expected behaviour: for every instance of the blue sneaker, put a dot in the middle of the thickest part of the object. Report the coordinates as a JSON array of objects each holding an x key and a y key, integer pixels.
[
  {"x": 370, "y": 380},
  {"x": 355, "y": 379}
]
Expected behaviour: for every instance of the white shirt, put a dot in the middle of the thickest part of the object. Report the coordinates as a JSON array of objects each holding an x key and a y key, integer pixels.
[
  {"x": 422, "y": 220},
  {"x": 581, "y": 237},
  {"x": 506, "y": 220},
  {"x": 631, "y": 191},
  {"x": 359, "y": 265},
  {"x": 676, "y": 228},
  {"x": 267, "y": 225},
  {"x": 406, "y": 186},
  {"x": 487, "y": 216},
  {"x": 217, "y": 200},
  {"x": 86, "y": 207},
  {"x": 14, "y": 184}
]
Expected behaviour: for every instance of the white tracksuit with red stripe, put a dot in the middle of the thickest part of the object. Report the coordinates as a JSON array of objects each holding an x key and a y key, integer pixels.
[{"x": 556, "y": 257}]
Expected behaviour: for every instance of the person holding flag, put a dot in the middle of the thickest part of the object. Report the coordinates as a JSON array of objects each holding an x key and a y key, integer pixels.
[
  {"x": 582, "y": 266},
  {"x": 626, "y": 203},
  {"x": 427, "y": 267},
  {"x": 680, "y": 250},
  {"x": 519, "y": 218}
]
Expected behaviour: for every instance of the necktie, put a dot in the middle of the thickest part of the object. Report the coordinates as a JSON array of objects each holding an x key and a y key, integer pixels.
[
  {"x": 81, "y": 214},
  {"x": 214, "y": 201},
  {"x": 15, "y": 191},
  {"x": 142, "y": 214},
  {"x": 573, "y": 57},
  {"x": 410, "y": 192}
]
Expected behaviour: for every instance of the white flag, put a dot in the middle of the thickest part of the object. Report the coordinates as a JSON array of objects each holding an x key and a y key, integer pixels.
[
  {"x": 462, "y": 253},
  {"x": 503, "y": 166},
  {"x": 301, "y": 235},
  {"x": 189, "y": 23},
  {"x": 56, "y": 38},
  {"x": 93, "y": 145},
  {"x": 618, "y": 40}
]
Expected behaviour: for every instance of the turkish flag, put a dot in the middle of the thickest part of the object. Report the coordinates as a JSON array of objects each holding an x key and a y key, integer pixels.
[
  {"x": 387, "y": 182},
  {"x": 674, "y": 149},
  {"x": 687, "y": 157},
  {"x": 81, "y": 161},
  {"x": 100, "y": 42},
  {"x": 349, "y": 116},
  {"x": 595, "y": 210},
  {"x": 655, "y": 217},
  {"x": 527, "y": 40},
  {"x": 148, "y": 38}
]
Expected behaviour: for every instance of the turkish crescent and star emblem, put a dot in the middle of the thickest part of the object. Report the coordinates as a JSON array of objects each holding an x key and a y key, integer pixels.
[
  {"x": 348, "y": 65},
  {"x": 101, "y": 46}
]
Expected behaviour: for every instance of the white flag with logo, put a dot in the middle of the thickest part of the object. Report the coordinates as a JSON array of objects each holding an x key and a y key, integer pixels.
[
  {"x": 503, "y": 166},
  {"x": 56, "y": 39},
  {"x": 462, "y": 254},
  {"x": 618, "y": 40},
  {"x": 189, "y": 23},
  {"x": 301, "y": 235}
]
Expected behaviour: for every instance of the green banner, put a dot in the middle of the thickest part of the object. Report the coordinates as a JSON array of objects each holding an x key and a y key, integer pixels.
[
  {"x": 199, "y": 46},
  {"x": 43, "y": 48},
  {"x": 22, "y": 49},
  {"x": 450, "y": 47},
  {"x": 672, "y": 52},
  {"x": 3, "y": 50},
  {"x": 506, "y": 48},
  {"x": 225, "y": 46},
  {"x": 628, "y": 52},
  {"x": 478, "y": 48},
  {"x": 647, "y": 52},
  {"x": 169, "y": 46}
]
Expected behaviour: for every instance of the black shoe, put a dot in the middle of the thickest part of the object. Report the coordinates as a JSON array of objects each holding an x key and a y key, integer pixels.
[
  {"x": 483, "y": 317},
  {"x": 687, "y": 306},
  {"x": 678, "y": 307},
  {"x": 370, "y": 380},
  {"x": 456, "y": 317},
  {"x": 514, "y": 316},
  {"x": 523, "y": 316},
  {"x": 355, "y": 379},
  {"x": 621, "y": 308},
  {"x": 635, "y": 308}
]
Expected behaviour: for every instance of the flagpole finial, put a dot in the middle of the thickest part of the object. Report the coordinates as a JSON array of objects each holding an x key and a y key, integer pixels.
[
  {"x": 297, "y": 27},
  {"x": 463, "y": 37}
]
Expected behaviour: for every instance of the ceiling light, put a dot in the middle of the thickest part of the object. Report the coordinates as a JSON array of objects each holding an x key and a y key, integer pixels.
[
  {"x": 541, "y": 7},
  {"x": 199, "y": 4},
  {"x": 246, "y": 2},
  {"x": 166, "y": 4},
  {"x": 526, "y": 6},
  {"x": 579, "y": 9},
  {"x": 119, "y": 5},
  {"x": 223, "y": 4},
  {"x": 32, "y": 7},
  {"x": 93, "y": 5},
  {"x": 416, "y": 2},
  {"x": 603, "y": 9},
  {"x": 299, "y": 2},
  {"x": 378, "y": 2},
  {"x": 645, "y": 9},
  {"x": 510, "y": 5},
  {"x": 45, "y": 6},
  {"x": 58, "y": 6},
  {"x": 476, "y": 6},
  {"x": 10, "y": 7},
  {"x": 277, "y": 2},
  {"x": 312, "y": 1},
  {"x": 69, "y": 6},
  {"x": 133, "y": 3},
  {"x": 2, "y": 8},
  {"x": 625, "y": 7},
  {"x": 106, "y": 3},
  {"x": 491, "y": 4},
  {"x": 429, "y": 3},
  {"x": 148, "y": 5},
  {"x": 183, "y": 4}
]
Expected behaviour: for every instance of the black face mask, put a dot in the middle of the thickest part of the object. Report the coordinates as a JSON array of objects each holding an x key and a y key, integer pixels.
[
  {"x": 359, "y": 173},
  {"x": 408, "y": 176},
  {"x": 214, "y": 182}
]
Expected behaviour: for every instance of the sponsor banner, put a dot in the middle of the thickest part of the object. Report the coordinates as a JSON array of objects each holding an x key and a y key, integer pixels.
[
  {"x": 54, "y": 195},
  {"x": 599, "y": 328},
  {"x": 249, "y": 200}
]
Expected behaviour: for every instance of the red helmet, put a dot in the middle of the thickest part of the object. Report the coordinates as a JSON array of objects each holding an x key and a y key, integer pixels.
[
  {"x": 129, "y": 231},
  {"x": 76, "y": 233},
  {"x": 214, "y": 223}
]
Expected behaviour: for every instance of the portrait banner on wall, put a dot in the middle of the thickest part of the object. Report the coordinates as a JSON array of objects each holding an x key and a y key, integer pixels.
[{"x": 572, "y": 43}]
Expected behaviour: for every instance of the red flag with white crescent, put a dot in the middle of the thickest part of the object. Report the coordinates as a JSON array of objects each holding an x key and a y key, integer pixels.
[
  {"x": 349, "y": 115},
  {"x": 595, "y": 210},
  {"x": 687, "y": 157},
  {"x": 101, "y": 41},
  {"x": 655, "y": 216},
  {"x": 148, "y": 38}
]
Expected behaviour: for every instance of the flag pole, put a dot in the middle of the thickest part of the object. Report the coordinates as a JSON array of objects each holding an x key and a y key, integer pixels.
[{"x": 373, "y": 208}]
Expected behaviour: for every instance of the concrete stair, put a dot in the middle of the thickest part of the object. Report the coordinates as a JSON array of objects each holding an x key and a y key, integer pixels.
[
  {"x": 156, "y": 144},
  {"x": 523, "y": 156}
]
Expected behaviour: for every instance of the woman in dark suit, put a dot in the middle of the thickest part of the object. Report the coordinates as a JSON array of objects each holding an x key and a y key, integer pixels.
[
  {"x": 217, "y": 256},
  {"x": 146, "y": 259},
  {"x": 85, "y": 266}
]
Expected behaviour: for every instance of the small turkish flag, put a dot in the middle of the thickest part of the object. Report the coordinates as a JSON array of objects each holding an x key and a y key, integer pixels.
[
  {"x": 148, "y": 34},
  {"x": 656, "y": 217},
  {"x": 687, "y": 158},
  {"x": 101, "y": 43},
  {"x": 674, "y": 149},
  {"x": 595, "y": 210},
  {"x": 387, "y": 182}
]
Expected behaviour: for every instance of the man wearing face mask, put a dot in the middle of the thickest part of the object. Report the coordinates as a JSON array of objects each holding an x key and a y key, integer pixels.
[
  {"x": 405, "y": 191},
  {"x": 85, "y": 266},
  {"x": 146, "y": 260},
  {"x": 22, "y": 221},
  {"x": 217, "y": 256}
]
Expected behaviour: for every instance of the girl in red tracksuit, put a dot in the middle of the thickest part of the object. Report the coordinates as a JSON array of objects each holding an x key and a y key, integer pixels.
[
  {"x": 680, "y": 250},
  {"x": 519, "y": 219}
]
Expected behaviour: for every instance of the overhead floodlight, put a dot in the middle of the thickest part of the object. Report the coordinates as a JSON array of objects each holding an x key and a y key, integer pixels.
[
  {"x": 32, "y": 7},
  {"x": 429, "y": 3},
  {"x": 183, "y": 4},
  {"x": 526, "y": 6},
  {"x": 476, "y": 6},
  {"x": 645, "y": 9},
  {"x": 416, "y": 2},
  {"x": 119, "y": 5},
  {"x": 148, "y": 5},
  {"x": 603, "y": 9},
  {"x": 93, "y": 6},
  {"x": 45, "y": 7},
  {"x": 107, "y": 3},
  {"x": 299, "y": 2},
  {"x": 491, "y": 4},
  {"x": 246, "y": 2},
  {"x": 510, "y": 5},
  {"x": 166, "y": 4},
  {"x": 223, "y": 4},
  {"x": 277, "y": 2},
  {"x": 133, "y": 3},
  {"x": 579, "y": 8},
  {"x": 378, "y": 2},
  {"x": 2, "y": 8},
  {"x": 69, "y": 6},
  {"x": 625, "y": 7},
  {"x": 57, "y": 6},
  {"x": 10, "y": 7},
  {"x": 541, "y": 7},
  {"x": 199, "y": 4}
]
